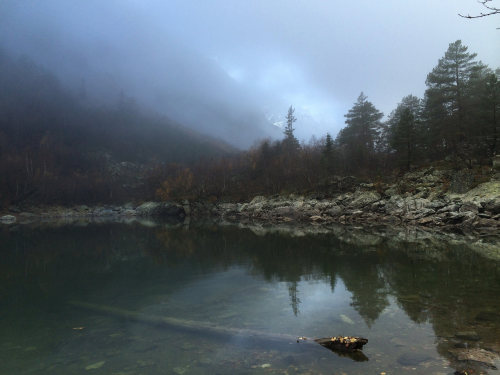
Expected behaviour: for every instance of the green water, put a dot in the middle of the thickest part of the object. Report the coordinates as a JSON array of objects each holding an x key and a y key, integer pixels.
[{"x": 416, "y": 302}]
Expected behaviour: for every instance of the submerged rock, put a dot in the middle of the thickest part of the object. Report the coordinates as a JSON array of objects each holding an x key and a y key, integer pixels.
[
  {"x": 346, "y": 319},
  {"x": 413, "y": 359},
  {"x": 468, "y": 335},
  {"x": 95, "y": 366},
  {"x": 483, "y": 357},
  {"x": 488, "y": 316}
]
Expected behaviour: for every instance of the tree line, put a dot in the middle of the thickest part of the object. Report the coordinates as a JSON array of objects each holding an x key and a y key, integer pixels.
[
  {"x": 56, "y": 147},
  {"x": 456, "y": 122}
]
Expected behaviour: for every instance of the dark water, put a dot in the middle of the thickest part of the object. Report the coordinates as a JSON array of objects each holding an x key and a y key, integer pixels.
[{"x": 422, "y": 305}]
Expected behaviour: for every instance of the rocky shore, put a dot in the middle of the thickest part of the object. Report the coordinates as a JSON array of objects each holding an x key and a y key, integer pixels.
[
  {"x": 426, "y": 198},
  {"x": 420, "y": 199},
  {"x": 128, "y": 211}
]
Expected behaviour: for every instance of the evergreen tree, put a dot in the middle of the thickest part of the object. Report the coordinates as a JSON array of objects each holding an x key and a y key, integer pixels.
[
  {"x": 447, "y": 102},
  {"x": 404, "y": 128},
  {"x": 327, "y": 157},
  {"x": 486, "y": 99},
  {"x": 362, "y": 134},
  {"x": 290, "y": 142}
]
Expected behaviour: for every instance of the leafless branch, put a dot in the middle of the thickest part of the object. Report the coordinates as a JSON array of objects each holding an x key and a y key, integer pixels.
[{"x": 491, "y": 10}]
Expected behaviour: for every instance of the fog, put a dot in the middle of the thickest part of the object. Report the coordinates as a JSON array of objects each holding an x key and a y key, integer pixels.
[{"x": 232, "y": 68}]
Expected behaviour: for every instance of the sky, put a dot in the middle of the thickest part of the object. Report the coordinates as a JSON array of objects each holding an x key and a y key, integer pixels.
[{"x": 232, "y": 68}]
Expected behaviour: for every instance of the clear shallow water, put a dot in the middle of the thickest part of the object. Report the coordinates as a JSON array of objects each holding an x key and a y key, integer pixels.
[{"x": 416, "y": 303}]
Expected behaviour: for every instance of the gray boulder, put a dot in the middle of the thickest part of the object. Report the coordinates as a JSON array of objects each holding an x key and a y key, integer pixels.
[
  {"x": 334, "y": 211},
  {"x": 449, "y": 208},
  {"x": 7, "y": 219},
  {"x": 364, "y": 198},
  {"x": 148, "y": 208},
  {"x": 161, "y": 209},
  {"x": 285, "y": 211},
  {"x": 469, "y": 207},
  {"x": 492, "y": 205}
]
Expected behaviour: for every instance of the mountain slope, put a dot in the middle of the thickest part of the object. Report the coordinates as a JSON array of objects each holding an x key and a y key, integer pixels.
[{"x": 54, "y": 146}]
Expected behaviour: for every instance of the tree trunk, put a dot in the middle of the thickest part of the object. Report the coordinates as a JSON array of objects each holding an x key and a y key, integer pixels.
[{"x": 341, "y": 345}]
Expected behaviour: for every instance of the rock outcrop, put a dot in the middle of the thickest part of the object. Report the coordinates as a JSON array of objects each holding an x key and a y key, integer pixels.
[
  {"x": 161, "y": 209},
  {"x": 421, "y": 198}
]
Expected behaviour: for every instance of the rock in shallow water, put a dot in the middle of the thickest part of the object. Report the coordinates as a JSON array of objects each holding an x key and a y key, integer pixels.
[
  {"x": 488, "y": 316},
  {"x": 95, "y": 366},
  {"x": 413, "y": 359},
  {"x": 483, "y": 357},
  {"x": 468, "y": 335},
  {"x": 346, "y": 319}
]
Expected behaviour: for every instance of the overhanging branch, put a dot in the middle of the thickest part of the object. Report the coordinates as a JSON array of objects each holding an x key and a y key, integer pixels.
[{"x": 491, "y": 10}]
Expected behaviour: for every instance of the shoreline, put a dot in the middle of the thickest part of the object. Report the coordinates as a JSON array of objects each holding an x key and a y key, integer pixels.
[
  {"x": 417, "y": 200},
  {"x": 423, "y": 241},
  {"x": 477, "y": 210}
]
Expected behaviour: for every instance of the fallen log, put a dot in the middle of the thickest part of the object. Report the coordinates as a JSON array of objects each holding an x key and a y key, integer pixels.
[{"x": 342, "y": 345}]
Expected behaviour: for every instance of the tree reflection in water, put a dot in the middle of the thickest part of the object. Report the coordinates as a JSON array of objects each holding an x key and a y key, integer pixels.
[{"x": 446, "y": 284}]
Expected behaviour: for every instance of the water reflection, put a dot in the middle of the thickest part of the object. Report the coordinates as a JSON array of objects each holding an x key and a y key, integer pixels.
[{"x": 175, "y": 270}]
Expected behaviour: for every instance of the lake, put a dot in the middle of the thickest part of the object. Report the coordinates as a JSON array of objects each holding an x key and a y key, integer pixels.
[{"x": 80, "y": 299}]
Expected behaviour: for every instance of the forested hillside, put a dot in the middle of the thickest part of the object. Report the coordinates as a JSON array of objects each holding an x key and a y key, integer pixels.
[
  {"x": 456, "y": 124},
  {"x": 55, "y": 147}
]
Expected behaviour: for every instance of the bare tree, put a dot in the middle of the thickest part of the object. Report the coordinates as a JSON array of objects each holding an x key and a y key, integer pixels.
[{"x": 491, "y": 10}]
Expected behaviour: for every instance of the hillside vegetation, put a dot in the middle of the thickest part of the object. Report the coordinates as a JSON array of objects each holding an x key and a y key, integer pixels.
[
  {"x": 55, "y": 147},
  {"x": 455, "y": 126}
]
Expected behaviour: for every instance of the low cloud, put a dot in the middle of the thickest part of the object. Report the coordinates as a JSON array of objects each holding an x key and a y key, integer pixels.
[{"x": 231, "y": 69}]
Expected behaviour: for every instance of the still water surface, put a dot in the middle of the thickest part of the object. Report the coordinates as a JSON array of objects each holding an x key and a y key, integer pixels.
[{"x": 421, "y": 305}]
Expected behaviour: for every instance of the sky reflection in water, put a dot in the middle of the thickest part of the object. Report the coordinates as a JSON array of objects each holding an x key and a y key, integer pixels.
[{"x": 418, "y": 303}]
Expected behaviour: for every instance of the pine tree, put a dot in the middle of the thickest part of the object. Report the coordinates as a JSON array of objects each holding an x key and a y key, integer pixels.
[
  {"x": 491, "y": 112},
  {"x": 361, "y": 136},
  {"x": 446, "y": 99},
  {"x": 290, "y": 142},
  {"x": 484, "y": 96},
  {"x": 327, "y": 157},
  {"x": 404, "y": 128}
]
